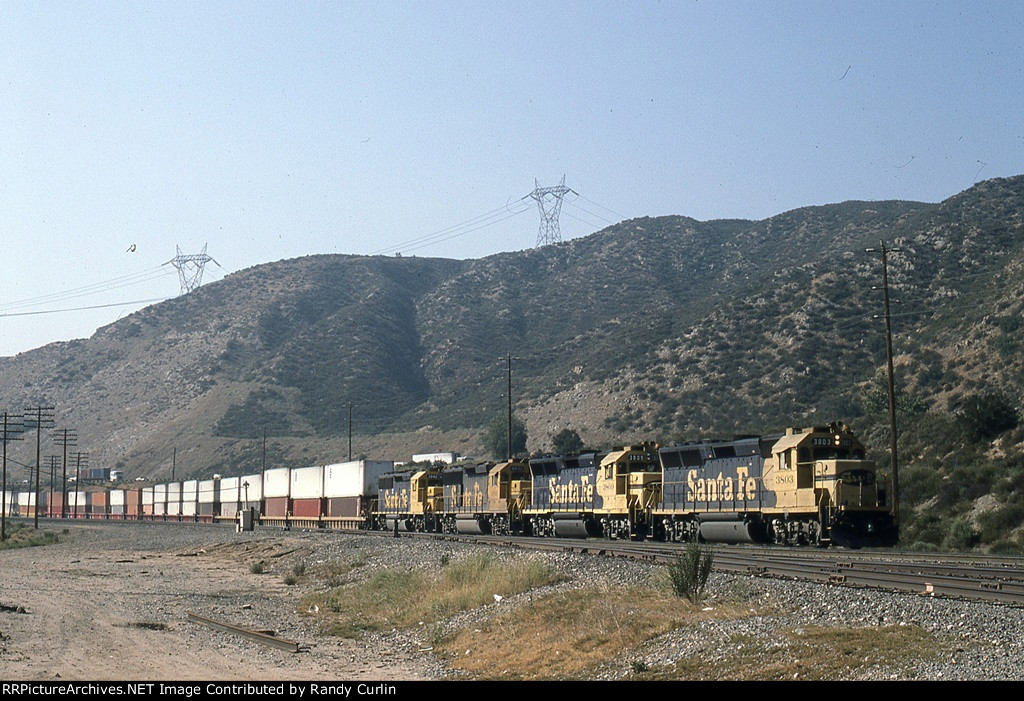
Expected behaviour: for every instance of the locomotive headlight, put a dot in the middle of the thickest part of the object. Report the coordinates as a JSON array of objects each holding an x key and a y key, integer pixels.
[{"x": 838, "y": 440}]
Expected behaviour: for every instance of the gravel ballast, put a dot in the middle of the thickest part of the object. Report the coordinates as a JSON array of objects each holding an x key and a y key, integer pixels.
[{"x": 978, "y": 641}]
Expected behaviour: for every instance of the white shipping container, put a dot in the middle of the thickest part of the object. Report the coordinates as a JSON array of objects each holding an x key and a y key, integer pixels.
[
  {"x": 208, "y": 491},
  {"x": 189, "y": 491},
  {"x": 354, "y": 479},
  {"x": 26, "y": 500},
  {"x": 275, "y": 483},
  {"x": 160, "y": 499},
  {"x": 116, "y": 498},
  {"x": 307, "y": 482},
  {"x": 147, "y": 496},
  {"x": 9, "y": 501},
  {"x": 188, "y": 508},
  {"x": 250, "y": 488},
  {"x": 77, "y": 500},
  {"x": 173, "y": 496},
  {"x": 227, "y": 490}
]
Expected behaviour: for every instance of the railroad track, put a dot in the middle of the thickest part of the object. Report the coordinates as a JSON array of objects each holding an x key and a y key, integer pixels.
[
  {"x": 978, "y": 577},
  {"x": 987, "y": 579}
]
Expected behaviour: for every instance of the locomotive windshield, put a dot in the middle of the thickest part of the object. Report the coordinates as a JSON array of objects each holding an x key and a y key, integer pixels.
[{"x": 840, "y": 453}]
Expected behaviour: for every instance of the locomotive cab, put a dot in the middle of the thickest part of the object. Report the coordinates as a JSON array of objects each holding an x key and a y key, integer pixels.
[
  {"x": 826, "y": 490},
  {"x": 411, "y": 502},
  {"x": 629, "y": 482},
  {"x": 508, "y": 486},
  {"x": 427, "y": 492}
]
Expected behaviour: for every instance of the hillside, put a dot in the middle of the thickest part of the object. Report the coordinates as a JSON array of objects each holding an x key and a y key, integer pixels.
[{"x": 661, "y": 327}]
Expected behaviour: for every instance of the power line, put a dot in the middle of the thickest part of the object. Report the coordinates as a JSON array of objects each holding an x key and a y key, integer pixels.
[
  {"x": 456, "y": 230},
  {"x": 468, "y": 231},
  {"x": 593, "y": 214},
  {"x": 94, "y": 306},
  {"x": 95, "y": 288},
  {"x": 580, "y": 219},
  {"x": 612, "y": 211}
]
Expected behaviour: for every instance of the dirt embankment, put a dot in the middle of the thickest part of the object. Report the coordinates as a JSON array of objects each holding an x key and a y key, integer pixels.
[{"x": 111, "y": 603}]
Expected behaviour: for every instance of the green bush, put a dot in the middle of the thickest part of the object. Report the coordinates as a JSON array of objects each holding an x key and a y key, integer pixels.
[
  {"x": 960, "y": 535},
  {"x": 567, "y": 442},
  {"x": 496, "y": 437},
  {"x": 997, "y": 523},
  {"x": 690, "y": 571},
  {"x": 987, "y": 415}
]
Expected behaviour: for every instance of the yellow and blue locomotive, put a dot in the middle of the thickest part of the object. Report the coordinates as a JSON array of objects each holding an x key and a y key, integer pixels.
[{"x": 807, "y": 486}]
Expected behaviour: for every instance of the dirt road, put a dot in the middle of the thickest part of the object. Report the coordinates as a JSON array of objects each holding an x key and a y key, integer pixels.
[{"x": 110, "y": 603}]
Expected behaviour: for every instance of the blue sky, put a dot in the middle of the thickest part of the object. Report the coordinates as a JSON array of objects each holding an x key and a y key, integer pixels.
[{"x": 276, "y": 130}]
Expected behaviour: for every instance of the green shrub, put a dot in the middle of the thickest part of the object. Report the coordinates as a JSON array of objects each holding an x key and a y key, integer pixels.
[
  {"x": 997, "y": 523},
  {"x": 987, "y": 415},
  {"x": 960, "y": 535},
  {"x": 690, "y": 571}
]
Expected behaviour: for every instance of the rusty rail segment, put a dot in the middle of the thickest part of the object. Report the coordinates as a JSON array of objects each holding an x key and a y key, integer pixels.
[{"x": 271, "y": 640}]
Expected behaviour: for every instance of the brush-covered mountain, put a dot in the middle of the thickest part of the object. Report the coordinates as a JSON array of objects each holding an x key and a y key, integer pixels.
[{"x": 662, "y": 328}]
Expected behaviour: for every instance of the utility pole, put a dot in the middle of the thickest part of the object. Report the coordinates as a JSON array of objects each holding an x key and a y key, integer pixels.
[
  {"x": 51, "y": 465},
  {"x": 510, "y": 403},
  {"x": 79, "y": 459},
  {"x": 43, "y": 419},
  {"x": 350, "y": 431},
  {"x": 65, "y": 437},
  {"x": 12, "y": 430},
  {"x": 892, "y": 384}
]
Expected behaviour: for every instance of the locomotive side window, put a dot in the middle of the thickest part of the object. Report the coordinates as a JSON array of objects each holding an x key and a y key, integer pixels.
[
  {"x": 670, "y": 459},
  {"x": 805, "y": 475}
]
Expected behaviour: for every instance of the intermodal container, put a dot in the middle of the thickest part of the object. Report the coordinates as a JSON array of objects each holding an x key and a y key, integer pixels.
[
  {"x": 307, "y": 483},
  {"x": 276, "y": 506},
  {"x": 355, "y": 478},
  {"x": 276, "y": 483}
]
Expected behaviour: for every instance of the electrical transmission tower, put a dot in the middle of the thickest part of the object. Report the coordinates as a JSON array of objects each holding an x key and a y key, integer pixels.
[
  {"x": 549, "y": 201},
  {"x": 190, "y": 268}
]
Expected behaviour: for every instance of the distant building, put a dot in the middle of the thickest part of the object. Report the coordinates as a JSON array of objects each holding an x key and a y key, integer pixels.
[{"x": 446, "y": 458}]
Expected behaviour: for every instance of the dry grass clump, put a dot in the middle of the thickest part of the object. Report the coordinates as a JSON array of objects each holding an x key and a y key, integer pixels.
[
  {"x": 563, "y": 635},
  {"x": 22, "y": 536},
  {"x": 813, "y": 653},
  {"x": 404, "y": 597}
]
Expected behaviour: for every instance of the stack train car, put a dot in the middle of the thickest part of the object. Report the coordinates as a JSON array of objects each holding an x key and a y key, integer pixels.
[{"x": 808, "y": 486}]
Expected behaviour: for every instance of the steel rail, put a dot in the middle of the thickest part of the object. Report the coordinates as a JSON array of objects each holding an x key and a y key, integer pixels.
[
  {"x": 264, "y": 638},
  {"x": 847, "y": 569}
]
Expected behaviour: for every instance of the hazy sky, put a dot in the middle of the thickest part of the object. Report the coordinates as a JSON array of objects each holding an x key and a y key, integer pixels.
[{"x": 277, "y": 130}]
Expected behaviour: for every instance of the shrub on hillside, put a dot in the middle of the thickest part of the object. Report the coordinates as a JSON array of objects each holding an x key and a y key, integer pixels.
[{"x": 987, "y": 415}]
